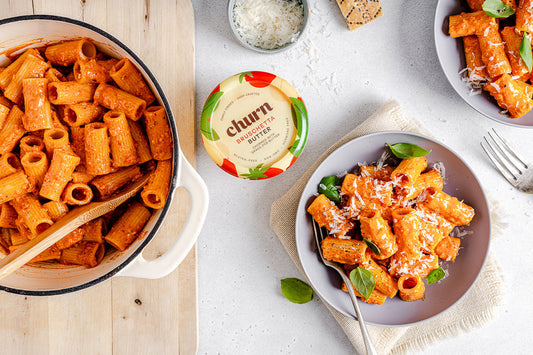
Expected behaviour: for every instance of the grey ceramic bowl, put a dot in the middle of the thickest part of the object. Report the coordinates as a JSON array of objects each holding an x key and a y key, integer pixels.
[
  {"x": 462, "y": 273},
  {"x": 231, "y": 5},
  {"x": 452, "y": 59}
]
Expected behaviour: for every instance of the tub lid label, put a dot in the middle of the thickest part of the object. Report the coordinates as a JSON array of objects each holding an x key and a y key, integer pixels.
[{"x": 254, "y": 125}]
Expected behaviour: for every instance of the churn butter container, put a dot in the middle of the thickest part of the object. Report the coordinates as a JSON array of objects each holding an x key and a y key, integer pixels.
[{"x": 254, "y": 125}]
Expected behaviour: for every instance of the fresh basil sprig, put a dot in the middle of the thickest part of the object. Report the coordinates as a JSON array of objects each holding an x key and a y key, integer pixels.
[
  {"x": 407, "y": 150},
  {"x": 372, "y": 246},
  {"x": 497, "y": 8},
  {"x": 436, "y": 275},
  {"x": 296, "y": 290},
  {"x": 329, "y": 187},
  {"x": 363, "y": 281},
  {"x": 525, "y": 51}
]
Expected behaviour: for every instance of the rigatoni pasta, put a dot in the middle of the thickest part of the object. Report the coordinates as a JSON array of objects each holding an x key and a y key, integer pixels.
[
  {"x": 399, "y": 251},
  {"x": 64, "y": 144}
]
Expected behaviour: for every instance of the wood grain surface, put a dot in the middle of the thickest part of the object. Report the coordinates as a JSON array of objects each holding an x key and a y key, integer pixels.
[{"x": 123, "y": 315}]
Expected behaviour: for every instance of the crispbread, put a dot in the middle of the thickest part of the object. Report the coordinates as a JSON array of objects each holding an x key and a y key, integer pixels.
[{"x": 359, "y": 12}]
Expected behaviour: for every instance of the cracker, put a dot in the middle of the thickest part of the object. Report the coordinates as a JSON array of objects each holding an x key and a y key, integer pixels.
[{"x": 359, "y": 12}]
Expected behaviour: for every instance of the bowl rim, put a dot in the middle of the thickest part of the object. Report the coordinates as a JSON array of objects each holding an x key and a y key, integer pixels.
[
  {"x": 242, "y": 42},
  {"x": 175, "y": 165},
  {"x": 301, "y": 213}
]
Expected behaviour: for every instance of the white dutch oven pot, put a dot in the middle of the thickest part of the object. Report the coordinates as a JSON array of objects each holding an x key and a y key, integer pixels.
[{"x": 36, "y": 31}]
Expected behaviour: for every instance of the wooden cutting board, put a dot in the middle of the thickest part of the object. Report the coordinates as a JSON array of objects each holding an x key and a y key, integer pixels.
[{"x": 122, "y": 315}]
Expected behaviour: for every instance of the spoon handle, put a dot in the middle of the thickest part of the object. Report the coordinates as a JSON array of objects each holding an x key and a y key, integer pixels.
[{"x": 72, "y": 220}]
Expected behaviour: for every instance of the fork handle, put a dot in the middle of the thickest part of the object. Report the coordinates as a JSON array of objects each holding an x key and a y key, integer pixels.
[{"x": 370, "y": 350}]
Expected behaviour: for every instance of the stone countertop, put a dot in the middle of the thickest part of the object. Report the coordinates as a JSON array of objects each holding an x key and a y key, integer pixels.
[{"x": 343, "y": 77}]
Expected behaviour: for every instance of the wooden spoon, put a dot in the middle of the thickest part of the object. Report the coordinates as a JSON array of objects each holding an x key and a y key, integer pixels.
[{"x": 72, "y": 220}]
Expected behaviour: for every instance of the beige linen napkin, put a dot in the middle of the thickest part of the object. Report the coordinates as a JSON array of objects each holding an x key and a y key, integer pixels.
[{"x": 473, "y": 310}]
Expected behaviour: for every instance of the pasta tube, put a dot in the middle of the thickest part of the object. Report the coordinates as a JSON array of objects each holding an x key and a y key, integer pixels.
[
  {"x": 406, "y": 224},
  {"x": 411, "y": 288},
  {"x": 32, "y": 213},
  {"x": 35, "y": 165},
  {"x": 56, "y": 209},
  {"x": 141, "y": 142},
  {"x": 77, "y": 136},
  {"x": 38, "y": 114},
  {"x": 384, "y": 282},
  {"x": 122, "y": 145},
  {"x": 94, "y": 231},
  {"x": 77, "y": 194},
  {"x": 344, "y": 251},
  {"x": 70, "y": 92},
  {"x": 4, "y": 112},
  {"x": 493, "y": 52},
  {"x": 6, "y": 75},
  {"x": 510, "y": 95},
  {"x": 32, "y": 67},
  {"x": 119, "y": 100},
  {"x": 8, "y": 215},
  {"x": 512, "y": 41},
  {"x": 54, "y": 75},
  {"x": 97, "y": 151},
  {"x": 377, "y": 230},
  {"x": 52, "y": 253},
  {"x": 82, "y": 113},
  {"x": 154, "y": 193},
  {"x": 128, "y": 226},
  {"x": 30, "y": 143},
  {"x": 106, "y": 185},
  {"x": 9, "y": 164},
  {"x": 12, "y": 131},
  {"x": 130, "y": 79},
  {"x": 59, "y": 174},
  {"x": 406, "y": 173},
  {"x": 326, "y": 214},
  {"x": 14, "y": 185},
  {"x": 56, "y": 138},
  {"x": 83, "y": 253},
  {"x": 69, "y": 52},
  {"x": 70, "y": 239},
  {"x": 90, "y": 71},
  {"x": 448, "y": 248},
  {"x": 524, "y": 17},
  {"x": 469, "y": 23},
  {"x": 476, "y": 67},
  {"x": 449, "y": 207},
  {"x": 158, "y": 131}
]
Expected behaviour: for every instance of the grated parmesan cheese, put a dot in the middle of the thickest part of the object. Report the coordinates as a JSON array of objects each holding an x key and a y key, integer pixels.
[{"x": 268, "y": 24}]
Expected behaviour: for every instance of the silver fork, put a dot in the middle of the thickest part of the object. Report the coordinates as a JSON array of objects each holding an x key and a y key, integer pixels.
[
  {"x": 319, "y": 236},
  {"x": 511, "y": 165}
]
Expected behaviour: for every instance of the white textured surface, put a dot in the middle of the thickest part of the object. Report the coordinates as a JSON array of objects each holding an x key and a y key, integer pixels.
[{"x": 343, "y": 77}]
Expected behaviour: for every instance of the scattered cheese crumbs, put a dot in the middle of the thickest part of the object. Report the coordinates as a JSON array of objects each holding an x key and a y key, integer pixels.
[{"x": 268, "y": 24}]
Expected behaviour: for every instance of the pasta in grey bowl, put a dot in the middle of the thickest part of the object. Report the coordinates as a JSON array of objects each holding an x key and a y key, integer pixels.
[
  {"x": 460, "y": 181},
  {"x": 451, "y": 56}
]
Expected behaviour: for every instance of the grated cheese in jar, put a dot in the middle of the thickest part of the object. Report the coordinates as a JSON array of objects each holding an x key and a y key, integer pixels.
[{"x": 268, "y": 24}]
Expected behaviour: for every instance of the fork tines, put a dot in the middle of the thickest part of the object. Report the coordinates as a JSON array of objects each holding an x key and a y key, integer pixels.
[{"x": 505, "y": 158}]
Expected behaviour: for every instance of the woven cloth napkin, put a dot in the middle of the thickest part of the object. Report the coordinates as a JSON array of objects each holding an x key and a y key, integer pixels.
[{"x": 475, "y": 309}]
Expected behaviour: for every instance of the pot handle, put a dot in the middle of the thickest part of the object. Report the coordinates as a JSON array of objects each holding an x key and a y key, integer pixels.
[{"x": 168, "y": 262}]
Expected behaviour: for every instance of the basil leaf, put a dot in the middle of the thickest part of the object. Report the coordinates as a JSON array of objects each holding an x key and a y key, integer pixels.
[
  {"x": 436, "y": 275},
  {"x": 497, "y": 8},
  {"x": 372, "y": 246},
  {"x": 525, "y": 51},
  {"x": 407, "y": 150},
  {"x": 296, "y": 290},
  {"x": 363, "y": 281},
  {"x": 328, "y": 187}
]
